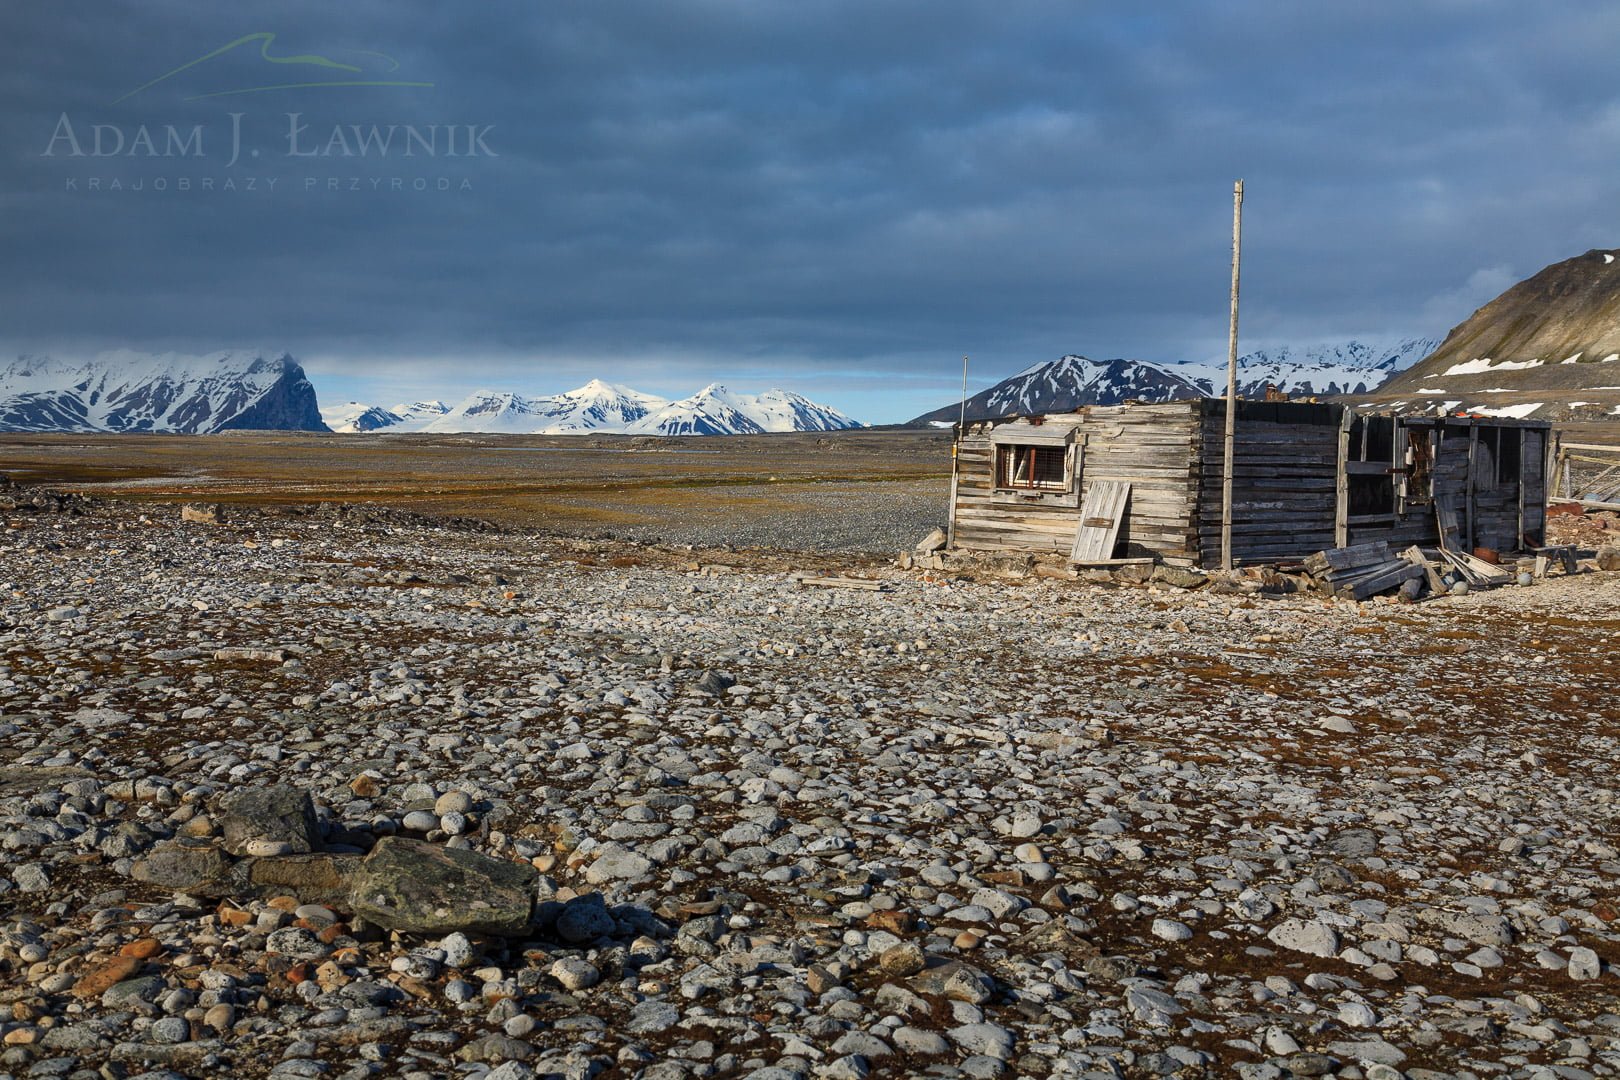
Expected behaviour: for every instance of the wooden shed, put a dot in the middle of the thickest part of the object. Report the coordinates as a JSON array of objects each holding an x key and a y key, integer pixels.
[{"x": 1307, "y": 476}]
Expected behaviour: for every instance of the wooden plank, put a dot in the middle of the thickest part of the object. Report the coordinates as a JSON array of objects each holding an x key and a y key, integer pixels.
[
  {"x": 1450, "y": 529},
  {"x": 841, "y": 583},
  {"x": 1524, "y": 462},
  {"x": 1341, "y": 484},
  {"x": 1392, "y": 577},
  {"x": 1346, "y": 557},
  {"x": 1473, "y": 465},
  {"x": 1415, "y": 556},
  {"x": 1101, "y": 515}
]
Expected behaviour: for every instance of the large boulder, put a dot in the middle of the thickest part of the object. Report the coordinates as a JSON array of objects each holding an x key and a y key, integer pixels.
[
  {"x": 423, "y": 888},
  {"x": 276, "y": 820}
]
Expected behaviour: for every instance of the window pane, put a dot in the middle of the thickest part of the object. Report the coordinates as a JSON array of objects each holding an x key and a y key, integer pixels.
[{"x": 1048, "y": 465}]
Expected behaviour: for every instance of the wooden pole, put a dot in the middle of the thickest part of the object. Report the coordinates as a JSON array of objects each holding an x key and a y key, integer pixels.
[
  {"x": 961, "y": 430},
  {"x": 1231, "y": 381}
]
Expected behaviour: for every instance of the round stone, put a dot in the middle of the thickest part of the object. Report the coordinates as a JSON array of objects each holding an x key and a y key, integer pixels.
[
  {"x": 421, "y": 821},
  {"x": 575, "y": 974},
  {"x": 170, "y": 1030},
  {"x": 453, "y": 802}
]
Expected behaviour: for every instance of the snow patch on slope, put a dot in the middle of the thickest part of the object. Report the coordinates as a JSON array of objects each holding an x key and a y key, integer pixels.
[{"x": 1482, "y": 364}]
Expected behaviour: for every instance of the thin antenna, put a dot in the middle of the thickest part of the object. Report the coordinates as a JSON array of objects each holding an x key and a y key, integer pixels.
[
  {"x": 1231, "y": 381},
  {"x": 961, "y": 421},
  {"x": 956, "y": 468}
]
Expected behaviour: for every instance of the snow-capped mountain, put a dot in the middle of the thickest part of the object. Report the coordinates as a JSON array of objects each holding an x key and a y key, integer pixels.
[
  {"x": 714, "y": 410},
  {"x": 128, "y": 391},
  {"x": 604, "y": 408},
  {"x": 1349, "y": 367},
  {"x": 418, "y": 414},
  {"x": 352, "y": 417},
  {"x": 1070, "y": 382}
]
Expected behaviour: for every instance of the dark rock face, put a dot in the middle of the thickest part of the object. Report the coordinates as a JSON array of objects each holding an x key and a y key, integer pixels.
[
  {"x": 280, "y": 815},
  {"x": 289, "y": 405},
  {"x": 423, "y": 888},
  {"x": 189, "y": 396}
]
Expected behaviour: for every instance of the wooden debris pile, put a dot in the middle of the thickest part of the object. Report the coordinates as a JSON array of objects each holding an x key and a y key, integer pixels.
[{"x": 1361, "y": 570}]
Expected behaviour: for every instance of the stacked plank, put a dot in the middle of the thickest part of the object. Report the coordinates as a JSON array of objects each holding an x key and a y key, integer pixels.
[
  {"x": 1362, "y": 570},
  {"x": 1477, "y": 572}
]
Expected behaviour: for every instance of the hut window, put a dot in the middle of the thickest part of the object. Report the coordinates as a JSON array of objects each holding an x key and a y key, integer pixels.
[
  {"x": 1419, "y": 466},
  {"x": 1032, "y": 468}
]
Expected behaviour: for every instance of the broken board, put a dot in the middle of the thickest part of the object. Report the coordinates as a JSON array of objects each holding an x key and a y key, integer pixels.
[
  {"x": 1445, "y": 515},
  {"x": 1101, "y": 515},
  {"x": 1415, "y": 556}
]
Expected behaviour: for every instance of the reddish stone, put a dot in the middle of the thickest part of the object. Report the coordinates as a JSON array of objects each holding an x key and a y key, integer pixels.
[
  {"x": 99, "y": 980},
  {"x": 141, "y": 948}
]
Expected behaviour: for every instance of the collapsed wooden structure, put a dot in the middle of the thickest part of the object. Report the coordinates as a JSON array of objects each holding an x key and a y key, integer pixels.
[{"x": 1144, "y": 481}]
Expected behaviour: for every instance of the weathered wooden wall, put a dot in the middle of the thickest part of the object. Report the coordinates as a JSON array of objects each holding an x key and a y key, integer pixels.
[
  {"x": 1533, "y": 466},
  {"x": 1284, "y": 486},
  {"x": 1154, "y": 447}
]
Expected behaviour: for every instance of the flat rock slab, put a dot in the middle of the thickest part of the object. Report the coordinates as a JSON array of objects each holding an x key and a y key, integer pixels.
[
  {"x": 31, "y": 779},
  {"x": 279, "y": 814},
  {"x": 423, "y": 888},
  {"x": 193, "y": 867}
]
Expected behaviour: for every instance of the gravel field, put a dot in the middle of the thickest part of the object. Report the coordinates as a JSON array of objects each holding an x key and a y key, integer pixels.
[
  {"x": 884, "y": 517},
  {"x": 353, "y": 795},
  {"x": 858, "y": 490}
]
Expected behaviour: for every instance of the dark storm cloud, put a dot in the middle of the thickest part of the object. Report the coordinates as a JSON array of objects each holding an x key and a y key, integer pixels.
[{"x": 840, "y": 190}]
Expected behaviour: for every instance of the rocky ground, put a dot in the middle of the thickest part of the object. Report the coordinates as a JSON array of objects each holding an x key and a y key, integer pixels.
[{"x": 353, "y": 795}]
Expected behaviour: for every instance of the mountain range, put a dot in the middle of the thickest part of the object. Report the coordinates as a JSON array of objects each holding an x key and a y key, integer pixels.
[
  {"x": 600, "y": 408},
  {"x": 1070, "y": 382},
  {"x": 353, "y": 417},
  {"x": 126, "y": 391},
  {"x": 245, "y": 390}
]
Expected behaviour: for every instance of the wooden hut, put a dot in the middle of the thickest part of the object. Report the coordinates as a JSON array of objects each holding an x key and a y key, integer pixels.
[{"x": 1306, "y": 477}]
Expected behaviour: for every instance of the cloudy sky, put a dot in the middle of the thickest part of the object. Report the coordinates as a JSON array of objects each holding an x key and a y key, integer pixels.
[{"x": 839, "y": 198}]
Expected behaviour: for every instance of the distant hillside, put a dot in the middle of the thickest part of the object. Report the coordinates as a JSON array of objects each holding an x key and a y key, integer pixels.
[
  {"x": 1073, "y": 381},
  {"x": 1549, "y": 348}
]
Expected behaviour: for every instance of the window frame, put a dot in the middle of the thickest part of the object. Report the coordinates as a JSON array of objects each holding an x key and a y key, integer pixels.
[
  {"x": 1041, "y": 438},
  {"x": 1007, "y": 465}
]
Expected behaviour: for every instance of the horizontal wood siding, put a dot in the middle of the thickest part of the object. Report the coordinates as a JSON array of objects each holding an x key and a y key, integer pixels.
[
  {"x": 1284, "y": 478},
  {"x": 1152, "y": 447},
  {"x": 1535, "y": 488}
]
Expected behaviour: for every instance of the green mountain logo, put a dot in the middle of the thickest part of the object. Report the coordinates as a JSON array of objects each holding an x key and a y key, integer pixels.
[{"x": 305, "y": 70}]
